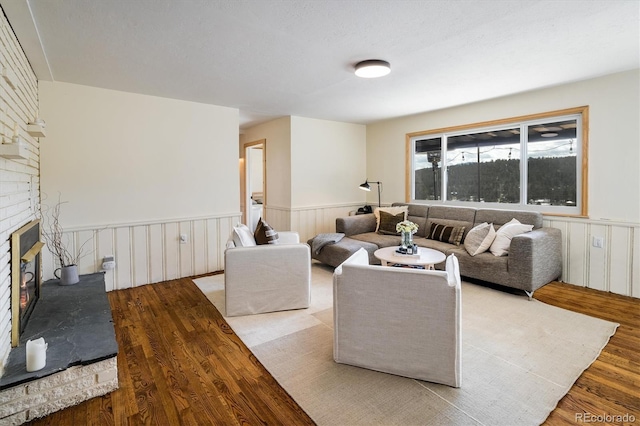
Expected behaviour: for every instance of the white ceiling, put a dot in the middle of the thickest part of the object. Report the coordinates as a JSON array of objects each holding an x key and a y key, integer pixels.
[{"x": 272, "y": 58}]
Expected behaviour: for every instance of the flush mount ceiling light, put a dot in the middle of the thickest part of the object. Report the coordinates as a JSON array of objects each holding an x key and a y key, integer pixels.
[{"x": 372, "y": 68}]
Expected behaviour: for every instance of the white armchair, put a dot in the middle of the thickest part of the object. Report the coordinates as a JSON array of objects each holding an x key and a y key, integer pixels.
[
  {"x": 398, "y": 320},
  {"x": 267, "y": 278}
]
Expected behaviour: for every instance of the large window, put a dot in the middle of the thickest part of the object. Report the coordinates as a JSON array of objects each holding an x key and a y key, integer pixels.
[{"x": 536, "y": 162}]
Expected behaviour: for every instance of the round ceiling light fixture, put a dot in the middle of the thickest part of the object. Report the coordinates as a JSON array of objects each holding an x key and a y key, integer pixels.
[{"x": 372, "y": 68}]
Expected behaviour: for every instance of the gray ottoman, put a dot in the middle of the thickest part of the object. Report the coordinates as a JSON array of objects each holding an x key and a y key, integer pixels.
[{"x": 335, "y": 254}]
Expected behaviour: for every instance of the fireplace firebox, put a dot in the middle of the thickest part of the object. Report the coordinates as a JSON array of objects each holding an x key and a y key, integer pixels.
[{"x": 26, "y": 276}]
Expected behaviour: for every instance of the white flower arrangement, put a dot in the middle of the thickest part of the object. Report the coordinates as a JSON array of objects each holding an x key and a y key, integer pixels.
[{"x": 407, "y": 226}]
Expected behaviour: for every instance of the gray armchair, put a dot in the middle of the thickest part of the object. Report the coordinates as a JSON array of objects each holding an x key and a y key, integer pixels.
[{"x": 398, "y": 320}]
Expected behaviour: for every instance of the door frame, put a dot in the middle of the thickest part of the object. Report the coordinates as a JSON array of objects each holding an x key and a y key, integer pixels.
[{"x": 246, "y": 197}]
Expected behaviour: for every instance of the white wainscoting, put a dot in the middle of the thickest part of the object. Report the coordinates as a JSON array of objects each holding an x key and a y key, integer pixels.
[
  {"x": 614, "y": 268},
  {"x": 147, "y": 253},
  {"x": 308, "y": 221}
]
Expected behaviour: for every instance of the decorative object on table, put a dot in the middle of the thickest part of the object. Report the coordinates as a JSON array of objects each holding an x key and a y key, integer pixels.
[
  {"x": 68, "y": 275},
  {"x": 36, "y": 357},
  {"x": 412, "y": 250},
  {"x": 366, "y": 187},
  {"x": 407, "y": 229},
  {"x": 59, "y": 246}
]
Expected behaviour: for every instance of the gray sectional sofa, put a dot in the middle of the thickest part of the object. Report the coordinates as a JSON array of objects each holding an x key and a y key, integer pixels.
[{"x": 534, "y": 257}]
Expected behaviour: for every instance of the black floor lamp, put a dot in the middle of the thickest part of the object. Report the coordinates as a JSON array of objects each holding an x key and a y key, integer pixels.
[{"x": 366, "y": 187}]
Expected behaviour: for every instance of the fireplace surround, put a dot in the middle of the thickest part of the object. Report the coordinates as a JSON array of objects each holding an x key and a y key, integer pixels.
[{"x": 26, "y": 276}]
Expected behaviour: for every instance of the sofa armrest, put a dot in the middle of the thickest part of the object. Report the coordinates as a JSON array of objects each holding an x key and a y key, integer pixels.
[
  {"x": 358, "y": 224},
  {"x": 535, "y": 258}
]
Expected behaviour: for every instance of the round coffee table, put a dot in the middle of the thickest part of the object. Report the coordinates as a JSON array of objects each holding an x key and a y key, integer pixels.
[{"x": 426, "y": 257}]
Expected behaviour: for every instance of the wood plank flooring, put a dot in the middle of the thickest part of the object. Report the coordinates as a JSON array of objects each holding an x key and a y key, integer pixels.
[{"x": 180, "y": 363}]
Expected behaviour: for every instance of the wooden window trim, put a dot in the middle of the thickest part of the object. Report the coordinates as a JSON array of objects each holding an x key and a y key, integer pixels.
[{"x": 582, "y": 110}]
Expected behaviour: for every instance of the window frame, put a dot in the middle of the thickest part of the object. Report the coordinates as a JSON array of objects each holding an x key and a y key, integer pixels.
[{"x": 582, "y": 144}]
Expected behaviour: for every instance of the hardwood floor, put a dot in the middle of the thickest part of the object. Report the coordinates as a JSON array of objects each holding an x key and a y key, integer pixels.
[
  {"x": 180, "y": 363},
  {"x": 611, "y": 385}
]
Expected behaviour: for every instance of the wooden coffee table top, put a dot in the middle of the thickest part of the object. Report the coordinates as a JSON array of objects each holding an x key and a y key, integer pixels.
[{"x": 427, "y": 257}]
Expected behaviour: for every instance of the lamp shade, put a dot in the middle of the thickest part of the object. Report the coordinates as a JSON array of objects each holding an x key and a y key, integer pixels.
[
  {"x": 365, "y": 186},
  {"x": 372, "y": 68}
]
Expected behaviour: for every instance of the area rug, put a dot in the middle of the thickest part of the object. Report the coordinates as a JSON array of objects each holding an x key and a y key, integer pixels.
[{"x": 519, "y": 358}]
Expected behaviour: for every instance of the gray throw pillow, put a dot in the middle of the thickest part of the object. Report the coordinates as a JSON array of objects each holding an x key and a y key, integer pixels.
[
  {"x": 388, "y": 223},
  {"x": 479, "y": 239}
]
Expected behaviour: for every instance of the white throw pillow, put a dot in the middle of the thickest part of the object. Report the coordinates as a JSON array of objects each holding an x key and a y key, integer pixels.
[
  {"x": 480, "y": 238},
  {"x": 500, "y": 246},
  {"x": 392, "y": 210},
  {"x": 242, "y": 236}
]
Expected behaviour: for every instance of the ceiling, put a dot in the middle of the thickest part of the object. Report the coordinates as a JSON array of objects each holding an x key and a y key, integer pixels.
[{"x": 273, "y": 58}]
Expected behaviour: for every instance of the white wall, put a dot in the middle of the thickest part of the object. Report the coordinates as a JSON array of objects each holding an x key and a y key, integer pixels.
[
  {"x": 328, "y": 162},
  {"x": 614, "y": 148},
  {"x": 313, "y": 170},
  {"x": 121, "y": 157},
  {"x": 614, "y": 180},
  {"x": 278, "y": 157},
  {"x": 19, "y": 179},
  {"x": 256, "y": 173},
  {"x": 137, "y": 171}
]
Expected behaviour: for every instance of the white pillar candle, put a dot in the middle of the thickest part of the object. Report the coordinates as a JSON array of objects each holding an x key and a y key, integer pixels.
[{"x": 36, "y": 354}]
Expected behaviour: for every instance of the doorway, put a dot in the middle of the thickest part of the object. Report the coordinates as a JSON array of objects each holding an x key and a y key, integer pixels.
[{"x": 255, "y": 182}]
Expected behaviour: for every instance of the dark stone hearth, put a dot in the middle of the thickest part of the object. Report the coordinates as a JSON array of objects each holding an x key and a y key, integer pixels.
[{"x": 75, "y": 322}]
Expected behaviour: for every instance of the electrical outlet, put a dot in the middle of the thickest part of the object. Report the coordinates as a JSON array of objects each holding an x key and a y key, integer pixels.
[
  {"x": 184, "y": 238},
  {"x": 108, "y": 263},
  {"x": 598, "y": 242}
]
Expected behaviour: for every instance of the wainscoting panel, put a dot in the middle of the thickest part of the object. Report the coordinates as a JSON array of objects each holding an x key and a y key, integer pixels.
[
  {"x": 278, "y": 217},
  {"x": 635, "y": 269},
  {"x": 156, "y": 253},
  {"x": 147, "y": 253},
  {"x": 171, "y": 263},
  {"x": 620, "y": 263},
  {"x": 124, "y": 259},
  {"x": 615, "y": 267}
]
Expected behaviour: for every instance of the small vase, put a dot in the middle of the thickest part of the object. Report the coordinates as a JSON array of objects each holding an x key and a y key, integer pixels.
[
  {"x": 407, "y": 239},
  {"x": 68, "y": 275}
]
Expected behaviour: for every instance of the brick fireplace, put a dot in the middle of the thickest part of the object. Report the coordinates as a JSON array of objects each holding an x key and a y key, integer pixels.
[{"x": 76, "y": 323}]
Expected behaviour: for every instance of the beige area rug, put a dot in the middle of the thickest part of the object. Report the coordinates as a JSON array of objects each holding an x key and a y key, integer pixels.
[{"x": 519, "y": 359}]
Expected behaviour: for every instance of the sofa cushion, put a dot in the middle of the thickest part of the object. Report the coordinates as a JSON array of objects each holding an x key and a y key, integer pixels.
[
  {"x": 446, "y": 233},
  {"x": 389, "y": 221},
  {"x": 501, "y": 217},
  {"x": 433, "y": 244},
  {"x": 500, "y": 246},
  {"x": 479, "y": 239},
  {"x": 265, "y": 234},
  {"x": 484, "y": 266},
  {"x": 378, "y": 239}
]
